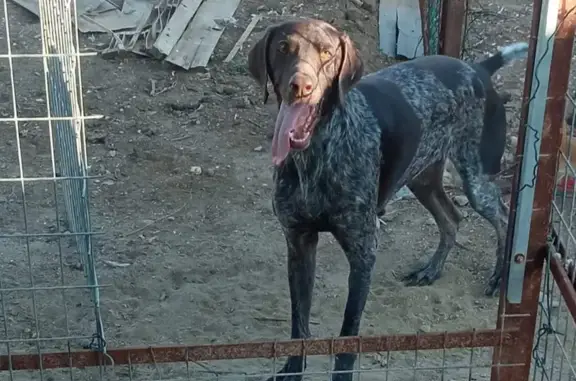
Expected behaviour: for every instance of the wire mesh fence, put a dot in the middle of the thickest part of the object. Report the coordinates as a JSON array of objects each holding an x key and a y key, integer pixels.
[
  {"x": 555, "y": 347},
  {"x": 39, "y": 239},
  {"x": 450, "y": 355},
  {"x": 40, "y": 286},
  {"x": 555, "y": 343}
]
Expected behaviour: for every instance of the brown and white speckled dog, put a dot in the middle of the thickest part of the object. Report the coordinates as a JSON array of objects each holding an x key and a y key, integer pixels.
[{"x": 344, "y": 143}]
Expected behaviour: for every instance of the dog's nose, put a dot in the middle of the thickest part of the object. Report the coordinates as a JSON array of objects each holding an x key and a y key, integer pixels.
[{"x": 301, "y": 85}]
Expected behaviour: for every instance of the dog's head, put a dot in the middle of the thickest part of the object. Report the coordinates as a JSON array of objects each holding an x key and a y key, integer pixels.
[{"x": 311, "y": 66}]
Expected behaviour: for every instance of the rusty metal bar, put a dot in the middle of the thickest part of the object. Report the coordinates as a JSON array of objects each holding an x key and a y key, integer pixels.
[
  {"x": 565, "y": 285},
  {"x": 452, "y": 27},
  {"x": 523, "y": 316},
  {"x": 560, "y": 276},
  {"x": 266, "y": 349}
]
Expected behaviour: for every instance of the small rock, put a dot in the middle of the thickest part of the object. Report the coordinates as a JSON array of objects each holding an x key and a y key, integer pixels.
[
  {"x": 369, "y": 5},
  {"x": 148, "y": 131},
  {"x": 425, "y": 328},
  {"x": 461, "y": 200},
  {"x": 112, "y": 153},
  {"x": 430, "y": 221},
  {"x": 210, "y": 172},
  {"x": 513, "y": 142},
  {"x": 229, "y": 90},
  {"x": 96, "y": 137},
  {"x": 195, "y": 170},
  {"x": 353, "y": 15},
  {"x": 388, "y": 217},
  {"x": 258, "y": 149}
]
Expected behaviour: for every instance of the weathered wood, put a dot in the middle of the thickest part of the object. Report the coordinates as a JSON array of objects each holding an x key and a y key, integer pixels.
[
  {"x": 387, "y": 26},
  {"x": 197, "y": 44},
  {"x": 452, "y": 29},
  {"x": 176, "y": 26},
  {"x": 243, "y": 37},
  {"x": 410, "y": 42}
]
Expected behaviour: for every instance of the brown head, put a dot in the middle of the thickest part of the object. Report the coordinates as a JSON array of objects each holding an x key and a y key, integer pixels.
[{"x": 311, "y": 65}]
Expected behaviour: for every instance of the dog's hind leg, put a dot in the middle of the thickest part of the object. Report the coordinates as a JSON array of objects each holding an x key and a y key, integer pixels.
[
  {"x": 428, "y": 189},
  {"x": 486, "y": 198},
  {"x": 357, "y": 237},
  {"x": 302, "y": 246}
]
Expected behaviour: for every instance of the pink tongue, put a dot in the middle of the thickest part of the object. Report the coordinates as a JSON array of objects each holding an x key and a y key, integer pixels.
[{"x": 287, "y": 120}]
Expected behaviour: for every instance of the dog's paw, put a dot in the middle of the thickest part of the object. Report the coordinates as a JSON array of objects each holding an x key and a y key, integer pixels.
[
  {"x": 285, "y": 378},
  {"x": 342, "y": 377},
  {"x": 424, "y": 276},
  {"x": 493, "y": 288}
]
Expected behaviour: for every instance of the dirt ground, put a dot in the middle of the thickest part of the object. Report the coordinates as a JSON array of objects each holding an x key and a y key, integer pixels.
[{"x": 189, "y": 257}]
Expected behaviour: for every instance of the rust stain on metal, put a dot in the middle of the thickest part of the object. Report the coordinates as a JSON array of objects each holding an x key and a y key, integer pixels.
[
  {"x": 523, "y": 316},
  {"x": 565, "y": 285},
  {"x": 266, "y": 349}
]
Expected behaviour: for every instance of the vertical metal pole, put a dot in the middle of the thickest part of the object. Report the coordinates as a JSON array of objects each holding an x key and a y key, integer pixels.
[{"x": 529, "y": 167}]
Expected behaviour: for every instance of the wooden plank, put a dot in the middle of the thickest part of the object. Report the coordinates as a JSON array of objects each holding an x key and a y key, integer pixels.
[
  {"x": 132, "y": 14},
  {"x": 176, "y": 26},
  {"x": 410, "y": 43},
  {"x": 387, "y": 24},
  {"x": 197, "y": 44},
  {"x": 82, "y": 6},
  {"x": 243, "y": 37}
]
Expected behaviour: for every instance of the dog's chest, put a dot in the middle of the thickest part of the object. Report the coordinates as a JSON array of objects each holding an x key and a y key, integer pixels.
[{"x": 320, "y": 194}]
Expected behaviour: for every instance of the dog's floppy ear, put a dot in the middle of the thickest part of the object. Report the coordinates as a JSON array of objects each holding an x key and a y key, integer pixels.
[
  {"x": 351, "y": 66},
  {"x": 258, "y": 61}
]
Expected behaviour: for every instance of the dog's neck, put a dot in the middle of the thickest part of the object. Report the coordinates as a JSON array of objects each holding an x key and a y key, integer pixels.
[{"x": 329, "y": 150}]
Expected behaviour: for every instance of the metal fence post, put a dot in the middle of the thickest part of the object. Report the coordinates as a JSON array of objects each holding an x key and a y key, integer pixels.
[
  {"x": 61, "y": 62},
  {"x": 550, "y": 53}
]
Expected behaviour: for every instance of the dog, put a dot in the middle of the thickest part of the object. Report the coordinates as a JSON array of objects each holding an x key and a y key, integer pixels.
[{"x": 344, "y": 143}]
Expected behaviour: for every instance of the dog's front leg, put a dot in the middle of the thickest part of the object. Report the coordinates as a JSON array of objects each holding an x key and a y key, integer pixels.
[
  {"x": 301, "y": 268},
  {"x": 359, "y": 242}
]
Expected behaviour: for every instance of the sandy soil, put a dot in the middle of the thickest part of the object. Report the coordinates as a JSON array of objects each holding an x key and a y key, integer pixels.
[{"x": 206, "y": 259}]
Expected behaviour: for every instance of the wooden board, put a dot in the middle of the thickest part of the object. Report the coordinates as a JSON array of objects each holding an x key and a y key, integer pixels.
[
  {"x": 409, "y": 43},
  {"x": 243, "y": 37},
  {"x": 197, "y": 44},
  {"x": 176, "y": 26},
  {"x": 387, "y": 26},
  {"x": 100, "y": 16}
]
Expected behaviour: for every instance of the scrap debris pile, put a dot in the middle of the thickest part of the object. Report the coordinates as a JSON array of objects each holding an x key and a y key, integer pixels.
[{"x": 182, "y": 32}]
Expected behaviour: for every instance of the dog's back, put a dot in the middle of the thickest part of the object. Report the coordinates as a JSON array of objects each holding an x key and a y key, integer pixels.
[
  {"x": 449, "y": 108},
  {"x": 436, "y": 112}
]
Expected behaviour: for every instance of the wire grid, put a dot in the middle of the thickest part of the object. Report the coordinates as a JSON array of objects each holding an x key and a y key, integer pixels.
[
  {"x": 434, "y": 22},
  {"x": 442, "y": 364},
  {"x": 564, "y": 203},
  {"x": 554, "y": 353},
  {"x": 41, "y": 243}
]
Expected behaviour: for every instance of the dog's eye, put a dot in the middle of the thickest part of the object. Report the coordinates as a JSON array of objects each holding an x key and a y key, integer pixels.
[
  {"x": 283, "y": 47},
  {"x": 325, "y": 55}
]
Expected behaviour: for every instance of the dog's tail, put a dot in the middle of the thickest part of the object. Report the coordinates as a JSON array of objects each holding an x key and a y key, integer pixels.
[{"x": 504, "y": 56}]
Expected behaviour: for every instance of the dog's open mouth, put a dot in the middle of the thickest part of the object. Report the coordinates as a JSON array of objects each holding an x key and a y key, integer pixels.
[{"x": 294, "y": 127}]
